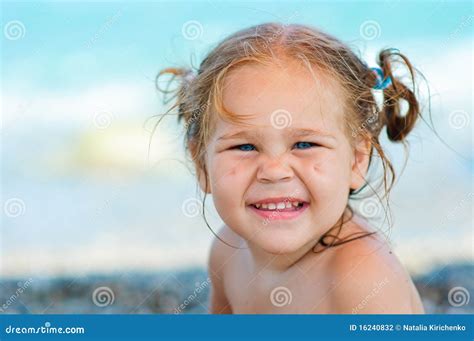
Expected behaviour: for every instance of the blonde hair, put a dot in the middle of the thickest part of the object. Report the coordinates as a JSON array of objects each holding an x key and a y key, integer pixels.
[{"x": 199, "y": 95}]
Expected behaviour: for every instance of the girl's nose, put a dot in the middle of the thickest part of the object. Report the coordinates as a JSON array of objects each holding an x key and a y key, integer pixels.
[{"x": 274, "y": 170}]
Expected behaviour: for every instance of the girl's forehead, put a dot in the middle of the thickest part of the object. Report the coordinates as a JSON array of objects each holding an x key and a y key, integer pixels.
[{"x": 270, "y": 95}]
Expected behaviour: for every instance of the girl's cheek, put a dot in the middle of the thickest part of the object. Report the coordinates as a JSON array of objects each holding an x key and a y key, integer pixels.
[
  {"x": 233, "y": 161},
  {"x": 316, "y": 165},
  {"x": 232, "y": 168},
  {"x": 320, "y": 171}
]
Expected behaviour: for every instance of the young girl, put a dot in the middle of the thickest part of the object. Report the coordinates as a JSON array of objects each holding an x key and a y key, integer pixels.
[{"x": 282, "y": 124}]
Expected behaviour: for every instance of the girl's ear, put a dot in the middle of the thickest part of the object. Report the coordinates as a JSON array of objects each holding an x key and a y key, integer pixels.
[
  {"x": 200, "y": 171},
  {"x": 360, "y": 163},
  {"x": 203, "y": 181}
]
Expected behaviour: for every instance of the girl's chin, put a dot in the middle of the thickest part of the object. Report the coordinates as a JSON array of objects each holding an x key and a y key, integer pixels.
[
  {"x": 279, "y": 247},
  {"x": 276, "y": 238}
]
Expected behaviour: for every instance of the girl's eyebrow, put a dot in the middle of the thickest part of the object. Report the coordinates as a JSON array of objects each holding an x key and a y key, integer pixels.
[
  {"x": 311, "y": 132},
  {"x": 292, "y": 132},
  {"x": 239, "y": 134}
]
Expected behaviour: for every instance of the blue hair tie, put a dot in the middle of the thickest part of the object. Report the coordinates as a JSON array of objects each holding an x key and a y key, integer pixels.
[{"x": 382, "y": 82}]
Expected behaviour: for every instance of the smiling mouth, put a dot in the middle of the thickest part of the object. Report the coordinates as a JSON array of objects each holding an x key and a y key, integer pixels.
[
  {"x": 279, "y": 204},
  {"x": 287, "y": 206},
  {"x": 272, "y": 209}
]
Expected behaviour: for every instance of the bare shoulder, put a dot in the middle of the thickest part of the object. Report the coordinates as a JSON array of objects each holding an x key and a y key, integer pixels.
[
  {"x": 369, "y": 278},
  {"x": 223, "y": 248}
]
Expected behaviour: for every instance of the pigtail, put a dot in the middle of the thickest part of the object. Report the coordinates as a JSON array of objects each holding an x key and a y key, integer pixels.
[{"x": 398, "y": 125}]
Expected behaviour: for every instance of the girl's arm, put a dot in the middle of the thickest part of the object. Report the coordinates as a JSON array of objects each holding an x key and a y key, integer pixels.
[{"x": 219, "y": 303}]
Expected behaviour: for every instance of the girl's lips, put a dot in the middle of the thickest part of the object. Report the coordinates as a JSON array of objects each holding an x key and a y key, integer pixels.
[{"x": 287, "y": 213}]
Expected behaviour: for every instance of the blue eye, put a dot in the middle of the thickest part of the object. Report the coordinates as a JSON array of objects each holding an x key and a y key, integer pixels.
[
  {"x": 245, "y": 147},
  {"x": 304, "y": 145}
]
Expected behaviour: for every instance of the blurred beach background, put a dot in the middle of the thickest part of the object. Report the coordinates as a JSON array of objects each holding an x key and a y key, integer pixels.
[{"x": 89, "y": 223}]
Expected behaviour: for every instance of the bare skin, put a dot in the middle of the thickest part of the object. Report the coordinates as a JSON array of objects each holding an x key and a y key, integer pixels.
[{"x": 362, "y": 276}]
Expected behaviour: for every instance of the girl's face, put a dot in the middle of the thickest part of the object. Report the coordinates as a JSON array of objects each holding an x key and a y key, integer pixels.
[{"x": 282, "y": 180}]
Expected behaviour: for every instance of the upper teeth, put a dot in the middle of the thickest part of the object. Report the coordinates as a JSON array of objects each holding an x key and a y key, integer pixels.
[{"x": 278, "y": 205}]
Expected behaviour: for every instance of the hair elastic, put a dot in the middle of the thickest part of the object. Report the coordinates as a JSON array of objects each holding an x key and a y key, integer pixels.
[{"x": 382, "y": 82}]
